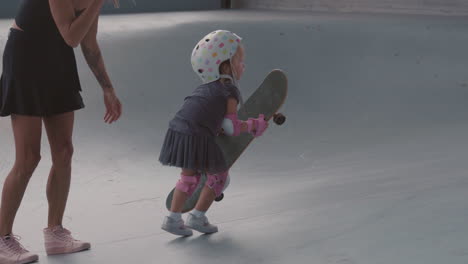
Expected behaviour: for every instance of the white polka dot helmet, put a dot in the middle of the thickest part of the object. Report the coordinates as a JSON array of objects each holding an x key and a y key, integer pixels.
[{"x": 214, "y": 49}]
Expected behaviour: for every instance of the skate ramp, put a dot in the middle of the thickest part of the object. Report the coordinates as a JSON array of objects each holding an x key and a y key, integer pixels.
[{"x": 370, "y": 166}]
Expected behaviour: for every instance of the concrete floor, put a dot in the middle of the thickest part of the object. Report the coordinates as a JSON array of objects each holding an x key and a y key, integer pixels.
[{"x": 371, "y": 166}]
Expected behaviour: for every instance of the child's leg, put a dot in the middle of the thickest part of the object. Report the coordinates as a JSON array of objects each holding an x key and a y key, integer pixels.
[
  {"x": 207, "y": 197},
  {"x": 187, "y": 184},
  {"x": 213, "y": 188},
  {"x": 181, "y": 192}
]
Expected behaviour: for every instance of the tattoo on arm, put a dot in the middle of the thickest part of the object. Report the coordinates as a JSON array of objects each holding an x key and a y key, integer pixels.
[{"x": 96, "y": 63}]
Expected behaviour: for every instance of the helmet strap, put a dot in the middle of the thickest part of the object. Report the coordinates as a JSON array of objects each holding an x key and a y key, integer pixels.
[{"x": 234, "y": 81}]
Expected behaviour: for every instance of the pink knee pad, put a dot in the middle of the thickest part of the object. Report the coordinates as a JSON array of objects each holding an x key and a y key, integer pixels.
[
  {"x": 188, "y": 184},
  {"x": 216, "y": 182}
]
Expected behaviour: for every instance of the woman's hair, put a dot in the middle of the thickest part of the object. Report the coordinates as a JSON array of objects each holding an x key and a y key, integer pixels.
[
  {"x": 116, "y": 3},
  {"x": 226, "y": 66}
]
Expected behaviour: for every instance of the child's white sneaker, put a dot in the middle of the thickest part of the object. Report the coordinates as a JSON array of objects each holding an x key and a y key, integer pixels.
[
  {"x": 176, "y": 227},
  {"x": 201, "y": 224}
]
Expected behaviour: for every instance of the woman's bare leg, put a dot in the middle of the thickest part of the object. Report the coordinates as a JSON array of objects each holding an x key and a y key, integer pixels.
[
  {"x": 27, "y": 133},
  {"x": 59, "y": 132}
]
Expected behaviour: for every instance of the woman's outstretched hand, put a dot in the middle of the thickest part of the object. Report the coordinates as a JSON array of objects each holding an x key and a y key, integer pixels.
[{"x": 113, "y": 107}]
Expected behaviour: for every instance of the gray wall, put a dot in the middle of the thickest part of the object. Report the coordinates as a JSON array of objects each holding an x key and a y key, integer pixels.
[
  {"x": 450, "y": 7},
  {"x": 8, "y": 7}
]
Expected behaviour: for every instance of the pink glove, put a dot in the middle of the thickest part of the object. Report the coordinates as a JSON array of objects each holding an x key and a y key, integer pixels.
[{"x": 256, "y": 126}]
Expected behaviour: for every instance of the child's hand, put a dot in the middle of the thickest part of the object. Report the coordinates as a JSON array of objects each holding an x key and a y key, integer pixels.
[{"x": 259, "y": 126}]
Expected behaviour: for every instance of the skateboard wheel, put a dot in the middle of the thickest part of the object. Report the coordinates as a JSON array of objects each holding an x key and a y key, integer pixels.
[
  {"x": 279, "y": 119},
  {"x": 219, "y": 198}
]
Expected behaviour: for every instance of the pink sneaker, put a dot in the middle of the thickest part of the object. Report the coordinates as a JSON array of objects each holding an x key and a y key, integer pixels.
[
  {"x": 12, "y": 252},
  {"x": 59, "y": 240}
]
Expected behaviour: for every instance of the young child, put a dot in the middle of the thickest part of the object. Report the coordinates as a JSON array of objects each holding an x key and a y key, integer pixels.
[{"x": 218, "y": 59}]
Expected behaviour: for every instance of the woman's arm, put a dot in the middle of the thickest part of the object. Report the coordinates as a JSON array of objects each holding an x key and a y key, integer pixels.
[
  {"x": 74, "y": 29},
  {"x": 93, "y": 56}
]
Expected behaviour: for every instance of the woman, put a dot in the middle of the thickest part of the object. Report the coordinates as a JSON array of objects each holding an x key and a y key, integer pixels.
[{"x": 40, "y": 85}]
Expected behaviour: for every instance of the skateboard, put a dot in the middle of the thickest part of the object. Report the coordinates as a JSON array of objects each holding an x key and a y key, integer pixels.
[{"x": 267, "y": 100}]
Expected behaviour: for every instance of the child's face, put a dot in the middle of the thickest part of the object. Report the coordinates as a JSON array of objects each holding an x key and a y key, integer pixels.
[{"x": 238, "y": 62}]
